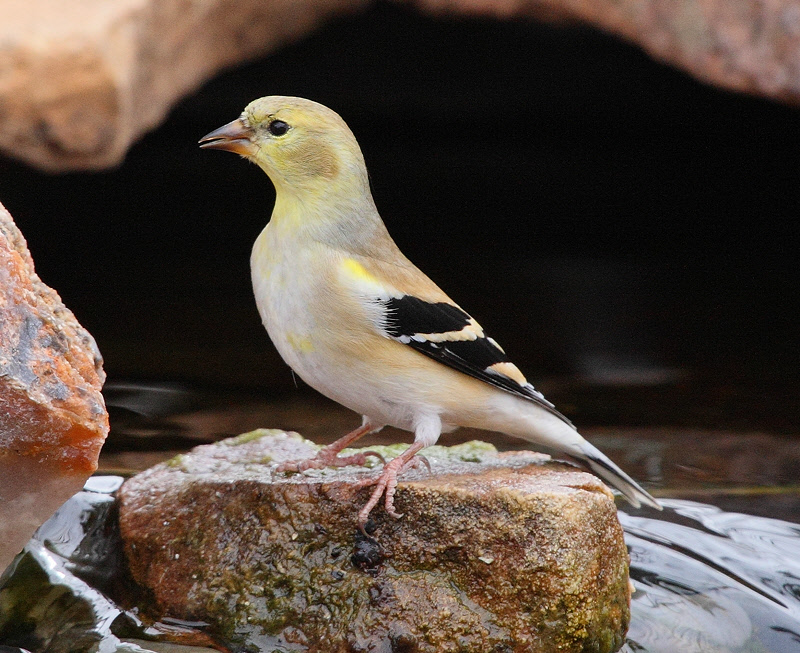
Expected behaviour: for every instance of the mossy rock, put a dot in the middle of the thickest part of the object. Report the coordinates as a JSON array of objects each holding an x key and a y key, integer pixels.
[{"x": 495, "y": 552}]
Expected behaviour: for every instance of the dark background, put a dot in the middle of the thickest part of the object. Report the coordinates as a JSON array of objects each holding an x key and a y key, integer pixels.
[{"x": 605, "y": 217}]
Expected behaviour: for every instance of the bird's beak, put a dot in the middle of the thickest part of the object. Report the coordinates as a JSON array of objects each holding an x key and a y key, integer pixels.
[{"x": 233, "y": 137}]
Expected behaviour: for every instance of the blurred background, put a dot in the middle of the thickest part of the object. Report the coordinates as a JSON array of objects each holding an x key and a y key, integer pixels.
[{"x": 628, "y": 233}]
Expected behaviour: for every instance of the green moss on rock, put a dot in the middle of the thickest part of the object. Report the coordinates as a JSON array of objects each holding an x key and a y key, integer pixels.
[{"x": 252, "y": 436}]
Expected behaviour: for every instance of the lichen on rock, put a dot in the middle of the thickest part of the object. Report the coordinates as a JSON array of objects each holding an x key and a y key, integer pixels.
[{"x": 495, "y": 552}]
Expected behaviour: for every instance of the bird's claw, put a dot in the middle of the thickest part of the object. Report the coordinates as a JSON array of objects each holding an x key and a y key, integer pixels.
[
  {"x": 416, "y": 460},
  {"x": 298, "y": 466},
  {"x": 391, "y": 512},
  {"x": 358, "y": 459},
  {"x": 326, "y": 459},
  {"x": 329, "y": 456},
  {"x": 386, "y": 484},
  {"x": 376, "y": 454}
]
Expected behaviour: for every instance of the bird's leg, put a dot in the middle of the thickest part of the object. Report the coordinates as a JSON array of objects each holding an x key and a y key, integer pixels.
[
  {"x": 329, "y": 456},
  {"x": 387, "y": 483}
]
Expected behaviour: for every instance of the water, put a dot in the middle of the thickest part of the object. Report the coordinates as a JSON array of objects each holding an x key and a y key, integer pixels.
[
  {"x": 717, "y": 575},
  {"x": 713, "y": 581}
]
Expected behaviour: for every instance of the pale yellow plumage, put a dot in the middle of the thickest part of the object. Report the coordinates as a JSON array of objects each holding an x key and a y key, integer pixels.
[{"x": 358, "y": 321}]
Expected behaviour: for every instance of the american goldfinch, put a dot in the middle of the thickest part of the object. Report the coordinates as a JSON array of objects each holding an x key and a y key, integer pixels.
[{"x": 357, "y": 321}]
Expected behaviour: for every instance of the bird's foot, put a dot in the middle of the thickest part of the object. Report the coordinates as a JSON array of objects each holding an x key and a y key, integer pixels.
[
  {"x": 329, "y": 456},
  {"x": 326, "y": 458},
  {"x": 386, "y": 485}
]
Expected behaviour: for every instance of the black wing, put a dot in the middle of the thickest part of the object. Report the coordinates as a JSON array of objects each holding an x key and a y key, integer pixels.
[{"x": 447, "y": 334}]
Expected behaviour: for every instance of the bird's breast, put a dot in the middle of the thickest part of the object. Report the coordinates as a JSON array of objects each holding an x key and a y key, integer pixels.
[
  {"x": 310, "y": 321},
  {"x": 282, "y": 276}
]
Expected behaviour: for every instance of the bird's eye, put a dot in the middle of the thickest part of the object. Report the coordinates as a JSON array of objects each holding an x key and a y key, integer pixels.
[{"x": 278, "y": 128}]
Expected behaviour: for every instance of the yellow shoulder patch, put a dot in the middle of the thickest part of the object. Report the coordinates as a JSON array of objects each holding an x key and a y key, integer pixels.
[
  {"x": 357, "y": 270},
  {"x": 357, "y": 279}
]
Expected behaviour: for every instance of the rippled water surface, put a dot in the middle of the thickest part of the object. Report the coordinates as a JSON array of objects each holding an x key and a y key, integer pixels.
[
  {"x": 708, "y": 580},
  {"x": 719, "y": 572}
]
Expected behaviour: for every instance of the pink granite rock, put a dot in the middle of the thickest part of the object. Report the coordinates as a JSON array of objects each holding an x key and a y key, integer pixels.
[
  {"x": 81, "y": 81},
  {"x": 53, "y": 419},
  {"x": 742, "y": 45}
]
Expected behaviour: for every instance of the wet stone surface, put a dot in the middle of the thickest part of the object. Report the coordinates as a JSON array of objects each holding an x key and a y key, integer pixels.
[{"x": 495, "y": 552}]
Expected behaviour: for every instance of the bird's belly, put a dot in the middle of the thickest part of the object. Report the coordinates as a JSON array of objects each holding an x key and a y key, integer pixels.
[
  {"x": 337, "y": 367},
  {"x": 342, "y": 378},
  {"x": 348, "y": 381}
]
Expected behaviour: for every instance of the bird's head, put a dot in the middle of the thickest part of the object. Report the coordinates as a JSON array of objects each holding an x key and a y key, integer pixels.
[{"x": 302, "y": 145}]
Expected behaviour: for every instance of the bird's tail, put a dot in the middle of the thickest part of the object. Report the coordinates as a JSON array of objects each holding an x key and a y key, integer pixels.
[
  {"x": 530, "y": 421},
  {"x": 605, "y": 468}
]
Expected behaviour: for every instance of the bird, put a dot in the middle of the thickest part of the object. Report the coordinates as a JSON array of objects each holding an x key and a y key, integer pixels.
[{"x": 360, "y": 323}]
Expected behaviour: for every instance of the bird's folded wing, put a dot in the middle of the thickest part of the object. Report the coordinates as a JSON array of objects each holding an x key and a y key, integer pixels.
[{"x": 438, "y": 328}]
